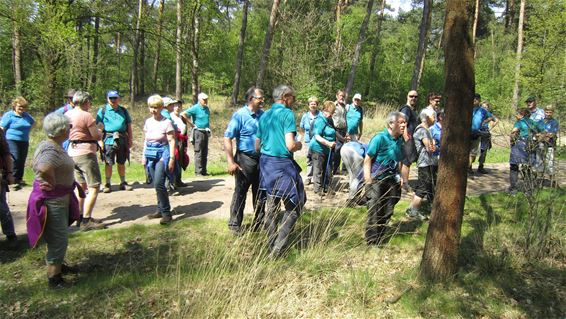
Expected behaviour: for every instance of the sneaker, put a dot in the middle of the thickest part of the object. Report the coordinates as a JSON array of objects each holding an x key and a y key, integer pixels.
[
  {"x": 414, "y": 214},
  {"x": 482, "y": 170},
  {"x": 107, "y": 189},
  {"x": 90, "y": 225},
  {"x": 181, "y": 184},
  {"x": 125, "y": 187},
  {"x": 166, "y": 220},
  {"x": 66, "y": 269},
  {"x": 57, "y": 282},
  {"x": 17, "y": 187},
  {"x": 154, "y": 215}
]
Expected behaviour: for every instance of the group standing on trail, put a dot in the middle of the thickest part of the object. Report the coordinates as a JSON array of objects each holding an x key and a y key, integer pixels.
[{"x": 262, "y": 159}]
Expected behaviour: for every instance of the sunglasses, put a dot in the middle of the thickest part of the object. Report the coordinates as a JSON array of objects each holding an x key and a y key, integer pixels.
[{"x": 413, "y": 96}]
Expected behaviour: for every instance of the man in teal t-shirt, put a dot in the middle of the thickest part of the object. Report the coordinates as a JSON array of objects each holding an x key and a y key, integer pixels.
[
  {"x": 354, "y": 118},
  {"x": 198, "y": 118}
]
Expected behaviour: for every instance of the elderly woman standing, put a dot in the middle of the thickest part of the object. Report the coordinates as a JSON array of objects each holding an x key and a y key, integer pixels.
[
  {"x": 83, "y": 148},
  {"x": 17, "y": 124},
  {"x": 321, "y": 145},
  {"x": 52, "y": 205},
  {"x": 159, "y": 156}
]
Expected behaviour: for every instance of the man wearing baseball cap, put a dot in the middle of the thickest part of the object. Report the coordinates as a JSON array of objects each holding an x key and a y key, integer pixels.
[
  {"x": 68, "y": 105},
  {"x": 117, "y": 138},
  {"x": 537, "y": 114},
  {"x": 198, "y": 119},
  {"x": 354, "y": 118}
]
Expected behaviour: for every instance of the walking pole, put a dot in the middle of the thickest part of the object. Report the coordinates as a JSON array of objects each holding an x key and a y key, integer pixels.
[{"x": 328, "y": 169}]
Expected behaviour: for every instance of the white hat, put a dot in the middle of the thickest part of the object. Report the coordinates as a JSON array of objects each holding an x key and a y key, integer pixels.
[
  {"x": 357, "y": 96},
  {"x": 166, "y": 100},
  {"x": 202, "y": 96}
]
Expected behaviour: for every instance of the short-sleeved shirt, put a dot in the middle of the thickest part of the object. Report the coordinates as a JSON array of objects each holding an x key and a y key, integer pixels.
[
  {"x": 527, "y": 126},
  {"x": 80, "y": 121},
  {"x": 385, "y": 152},
  {"x": 537, "y": 115},
  {"x": 412, "y": 118},
  {"x": 48, "y": 153},
  {"x": 551, "y": 125},
  {"x": 156, "y": 131},
  {"x": 354, "y": 116},
  {"x": 200, "y": 115},
  {"x": 166, "y": 114},
  {"x": 306, "y": 122},
  {"x": 64, "y": 109},
  {"x": 425, "y": 158},
  {"x": 479, "y": 115},
  {"x": 436, "y": 132},
  {"x": 17, "y": 127},
  {"x": 273, "y": 125},
  {"x": 243, "y": 127},
  {"x": 178, "y": 122},
  {"x": 113, "y": 121},
  {"x": 325, "y": 129},
  {"x": 339, "y": 116},
  {"x": 360, "y": 148},
  {"x": 485, "y": 126}
]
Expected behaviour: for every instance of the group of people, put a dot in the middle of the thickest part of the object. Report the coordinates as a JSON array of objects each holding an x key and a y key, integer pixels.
[{"x": 263, "y": 159}]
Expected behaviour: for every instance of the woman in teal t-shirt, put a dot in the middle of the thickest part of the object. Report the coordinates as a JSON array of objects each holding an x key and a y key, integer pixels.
[{"x": 324, "y": 139}]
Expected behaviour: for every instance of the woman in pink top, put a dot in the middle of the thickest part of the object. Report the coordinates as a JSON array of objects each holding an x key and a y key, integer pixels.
[
  {"x": 83, "y": 146},
  {"x": 159, "y": 155}
]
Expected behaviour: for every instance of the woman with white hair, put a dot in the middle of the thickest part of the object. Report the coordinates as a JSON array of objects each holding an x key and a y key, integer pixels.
[
  {"x": 427, "y": 163},
  {"x": 52, "y": 205},
  {"x": 159, "y": 155}
]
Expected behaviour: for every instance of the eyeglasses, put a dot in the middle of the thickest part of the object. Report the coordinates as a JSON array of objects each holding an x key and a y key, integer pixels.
[
  {"x": 112, "y": 98},
  {"x": 261, "y": 98},
  {"x": 413, "y": 96}
]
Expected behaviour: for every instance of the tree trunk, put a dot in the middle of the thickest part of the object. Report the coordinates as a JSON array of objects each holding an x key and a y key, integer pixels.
[
  {"x": 509, "y": 15},
  {"x": 515, "y": 101},
  {"x": 141, "y": 68},
  {"x": 17, "y": 57},
  {"x": 358, "y": 49},
  {"x": 133, "y": 76},
  {"x": 338, "y": 42},
  {"x": 157, "y": 46},
  {"x": 95, "y": 51},
  {"x": 475, "y": 25},
  {"x": 194, "y": 51},
  {"x": 375, "y": 51},
  {"x": 423, "y": 39},
  {"x": 178, "y": 53},
  {"x": 440, "y": 256},
  {"x": 267, "y": 43},
  {"x": 240, "y": 56}
]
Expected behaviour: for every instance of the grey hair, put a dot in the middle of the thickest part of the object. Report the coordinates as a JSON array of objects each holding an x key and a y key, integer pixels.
[
  {"x": 81, "y": 97},
  {"x": 426, "y": 113},
  {"x": 250, "y": 93},
  {"x": 54, "y": 124},
  {"x": 393, "y": 117},
  {"x": 280, "y": 91}
]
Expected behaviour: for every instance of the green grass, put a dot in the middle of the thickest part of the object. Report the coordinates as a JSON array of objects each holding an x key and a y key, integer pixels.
[{"x": 195, "y": 268}]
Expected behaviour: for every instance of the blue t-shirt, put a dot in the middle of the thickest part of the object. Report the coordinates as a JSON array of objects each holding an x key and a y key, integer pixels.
[
  {"x": 360, "y": 148},
  {"x": 273, "y": 125},
  {"x": 436, "y": 132},
  {"x": 17, "y": 127},
  {"x": 354, "y": 116},
  {"x": 479, "y": 114},
  {"x": 551, "y": 126},
  {"x": 385, "y": 153},
  {"x": 113, "y": 121},
  {"x": 485, "y": 126},
  {"x": 200, "y": 115},
  {"x": 64, "y": 109},
  {"x": 243, "y": 127},
  {"x": 323, "y": 128},
  {"x": 306, "y": 122},
  {"x": 537, "y": 115}
]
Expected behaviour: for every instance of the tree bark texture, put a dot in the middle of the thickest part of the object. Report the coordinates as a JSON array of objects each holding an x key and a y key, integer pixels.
[
  {"x": 267, "y": 43},
  {"x": 509, "y": 15},
  {"x": 178, "y": 53},
  {"x": 440, "y": 256},
  {"x": 375, "y": 50},
  {"x": 158, "y": 47},
  {"x": 421, "y": 48},
  {"x": 17, "y": 56},
  {"x": 475, "y": 25},
  {"x": 95, "y": 50},
  {"x": 518, "y": 58},
  {"x": 134, "y": 71},
  {"x": 358, "y": 49},
  {"x": 141, "y": 66},
  {"x": 240, "y": 54},
  {"x": 194, "y": 51}
]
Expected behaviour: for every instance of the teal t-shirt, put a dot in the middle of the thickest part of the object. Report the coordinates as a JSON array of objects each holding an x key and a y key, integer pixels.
[
  {"x": 200, "y": 115},
  {"x": 527, "y": 126},
  {"x": 354, "y": 117},
  {"x": 325, "y": 130},
  {"x": 385, "y": 152},
  {"x": 113, "y": 121},
  {"x": 273, "y": 125}
]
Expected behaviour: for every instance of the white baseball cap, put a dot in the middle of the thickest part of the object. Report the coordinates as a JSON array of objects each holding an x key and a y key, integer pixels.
[
  {"x": 357, "y": 96},
  {"x": 202, "y": 96}
]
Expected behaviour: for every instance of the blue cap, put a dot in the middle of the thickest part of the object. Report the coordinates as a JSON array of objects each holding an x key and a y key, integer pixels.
[{"x": 112, "y": 94}]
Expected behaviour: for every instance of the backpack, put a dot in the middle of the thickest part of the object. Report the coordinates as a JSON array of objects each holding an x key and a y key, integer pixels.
[
  {"x": 311, "y": 129},
  {"x": 410, "y": 150}
]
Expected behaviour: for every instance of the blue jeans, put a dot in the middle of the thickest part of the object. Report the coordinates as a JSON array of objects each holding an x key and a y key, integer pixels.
[
  {"x": 5, "y": 216},
  {"x": 158, "y": 173},
  {"x": 19, "y": 151}
]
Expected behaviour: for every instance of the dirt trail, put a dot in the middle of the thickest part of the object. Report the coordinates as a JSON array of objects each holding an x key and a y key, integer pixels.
[{"x": 210, "y": 197}]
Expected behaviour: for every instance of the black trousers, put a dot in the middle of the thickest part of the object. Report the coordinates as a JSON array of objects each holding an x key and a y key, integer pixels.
[
  {"x": 382, "y": 196},
  {"x": 201, "y": 151},
  {"x": 336, "y": 159},
  {"x": 280, "y": 224},
  {"x": 248, "y": 176},
  {"x": 320, "y": 173}
]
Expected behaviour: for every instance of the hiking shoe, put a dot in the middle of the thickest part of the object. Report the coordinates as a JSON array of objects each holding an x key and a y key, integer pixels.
[
  {"x": 414, "y": 214},
  {"x": 107, "y": 189},
  {"x": 66, "y": 269},
  {"x": 166, "y": 220},
  {"x": 181, "y": 184},
  {"x": 482, "y": 170},
  {"x": 57, "y": 282},
  {"x": 90, "y": 225},
  {"x": 154, "y": 215},
  {"x": 125, "y": 187}
]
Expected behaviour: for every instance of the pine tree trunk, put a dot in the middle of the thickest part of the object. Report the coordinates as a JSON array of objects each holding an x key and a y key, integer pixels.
[
  {"x": 157, "y": 47},
  {"x": 133, "y": 76},
  {"x": 267, "y": 43},
  {"x": 475, "y": 26},
  {"x": 194, "y": 51},
  {"x": 141, "y": 68},
  {"x": 17, "y": 57},
  {"x": 440, "y": 256},
  {"x": 515, "y": 101},
  {"x": 375, "y": 50},
  {"x": 95, "y": 51},
  {"x": 509, "y": 15},
  {"x": 423, "y": 39},
  {"x": 338, "y": 42},
  {"x": 358, "y": 49},
  {"x": 240, "y": 56},
  {"x": 178, "y": 53}
]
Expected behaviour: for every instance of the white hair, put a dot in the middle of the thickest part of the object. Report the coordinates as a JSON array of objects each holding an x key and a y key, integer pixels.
[
  {"x": 280, "y": 91},
  {"x": 54, "y": 124},
  {"x": 425, "y": 113}
]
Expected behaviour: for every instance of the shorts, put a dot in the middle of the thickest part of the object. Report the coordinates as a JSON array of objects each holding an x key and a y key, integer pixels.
[
  {"x": 426, "y": 182},
  {"x": 115, "y": 153},
  {"x": 87, "y": 170},
  {"x": 475, "y": 146}
]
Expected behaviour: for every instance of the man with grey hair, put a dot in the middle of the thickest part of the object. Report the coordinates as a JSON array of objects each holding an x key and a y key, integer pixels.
[
  {"x": 244, "y": 165},
  {"x": 381, "y": 175},
  {"x": 83, "y": 148},
  {"x": 279, "y": 172}
]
